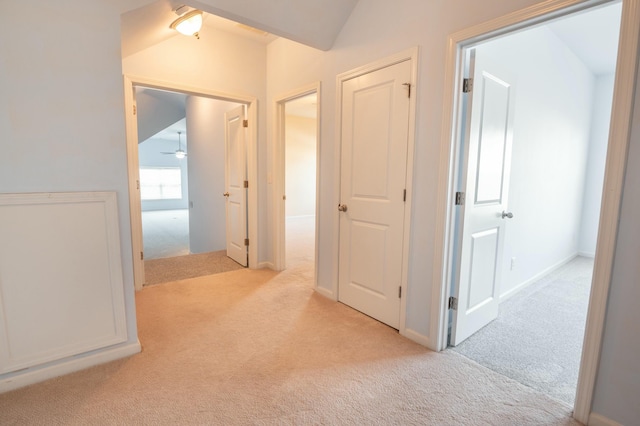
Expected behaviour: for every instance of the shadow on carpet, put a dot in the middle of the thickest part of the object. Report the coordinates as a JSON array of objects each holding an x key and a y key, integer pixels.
[{"x": 177, "y": 268}]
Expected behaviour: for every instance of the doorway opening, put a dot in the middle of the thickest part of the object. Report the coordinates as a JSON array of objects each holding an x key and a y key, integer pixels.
[
  {"x": 217, "y": 222},
  {"x": 297, "y": 129},
  {"x": 181, "y": 152},
  {"x": 534, "y": 133}
]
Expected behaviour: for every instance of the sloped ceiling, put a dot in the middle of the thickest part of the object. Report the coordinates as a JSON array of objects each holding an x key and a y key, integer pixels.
[
  {"x": 592, "y": 36},
  {"x": 315, "y": 23}
]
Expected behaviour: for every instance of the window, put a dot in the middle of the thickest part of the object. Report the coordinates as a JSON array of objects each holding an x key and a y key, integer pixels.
[{"x": 160, "y": 183}]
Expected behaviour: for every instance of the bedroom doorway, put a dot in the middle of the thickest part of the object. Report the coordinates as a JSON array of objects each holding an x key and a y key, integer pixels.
[
  {"x": 297, "y": 182},
  {"x": 203, "y": 105},
  {"x": 461, "y": 43}
]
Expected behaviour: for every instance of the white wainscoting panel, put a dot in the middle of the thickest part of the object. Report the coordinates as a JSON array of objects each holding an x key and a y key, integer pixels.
[{"x": 61, "y": 283}]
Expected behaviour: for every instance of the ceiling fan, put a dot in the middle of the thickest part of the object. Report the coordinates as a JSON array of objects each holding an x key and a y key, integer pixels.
[{"x": 179, "y": 153}]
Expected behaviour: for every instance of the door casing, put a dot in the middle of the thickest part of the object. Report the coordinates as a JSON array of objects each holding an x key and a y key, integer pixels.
[
  {"x": 413, "y": 56},
  {"x": 621, "y": 116},
  {"x": 135, "y": 210},
  {"x": 279, "y": 175}
]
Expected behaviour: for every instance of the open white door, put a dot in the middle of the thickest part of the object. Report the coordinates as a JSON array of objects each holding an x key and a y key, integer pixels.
[
  {"x": 235, "y": 177},
  {"x": 485, "y": 207},
  {"x": 375, "y": 125}
]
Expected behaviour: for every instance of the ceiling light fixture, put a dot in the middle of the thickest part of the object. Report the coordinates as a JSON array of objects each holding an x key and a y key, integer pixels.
[
  {"x": 188, "y": 24},
  {"x": 179, "y": 153}
]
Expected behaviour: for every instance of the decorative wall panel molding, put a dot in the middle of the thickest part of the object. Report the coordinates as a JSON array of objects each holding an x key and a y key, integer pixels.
[{"x": 61, "y": 282}]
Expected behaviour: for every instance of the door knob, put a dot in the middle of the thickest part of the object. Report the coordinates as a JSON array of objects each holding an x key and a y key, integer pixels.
[
  {"x": 507, "y": 215},
  {"x": 342, "y": 207},
  {"x": 226, "y": 194}
]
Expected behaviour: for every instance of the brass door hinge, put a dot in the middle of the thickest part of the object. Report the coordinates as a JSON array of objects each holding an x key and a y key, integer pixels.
[{"x": 408, "y": 89}]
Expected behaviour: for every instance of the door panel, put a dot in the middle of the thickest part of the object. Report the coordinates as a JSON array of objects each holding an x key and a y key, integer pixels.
[
  {"x": 371, "y": 143},
  {"x": 367, "y": 258},
  {"x": 493, "y": 141},
  {"x": 484, "y": 247},
  {"x": 375, "y": 117},
  {"x": 236, "y": 193},
  {"x": 487, "y": 179}
]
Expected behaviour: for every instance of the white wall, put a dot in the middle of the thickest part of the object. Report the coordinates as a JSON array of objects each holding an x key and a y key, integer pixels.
[
  {"x": 601, "y": 117},
  {"x": 552, "y": 118},
  {"x": 205, "y": 127},
  {"x": 61, "y": 112},
  {"x": 300, "y": 165},
  {"x": 220, "y": 62},
  {"x": 150, "y": 155}
]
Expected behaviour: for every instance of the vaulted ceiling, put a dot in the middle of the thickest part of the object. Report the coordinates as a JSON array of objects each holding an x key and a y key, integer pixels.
[{"x": 315, "y": 23}]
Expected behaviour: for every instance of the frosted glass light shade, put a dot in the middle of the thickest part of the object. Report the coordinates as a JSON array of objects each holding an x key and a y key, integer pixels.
[
  {"x": 180, "y": 154},
  {"x": 188, "y": 24}
]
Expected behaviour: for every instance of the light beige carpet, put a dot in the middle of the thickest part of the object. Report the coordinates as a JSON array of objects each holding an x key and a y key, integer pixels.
[
  {"x": 158, "y": 271},
  {"x": 260, "y": 348}
]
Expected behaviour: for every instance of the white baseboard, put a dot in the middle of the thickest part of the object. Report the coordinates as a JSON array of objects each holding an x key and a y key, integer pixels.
[
  {"x": 585, "y": 254},
  {"x": 417, "y": 337},
  {"x": 523, "y": 285},
  {"x": 39, "y": 374},
  {"x": 266, "y": 265},
  {"x": 596, "y": 419},
  {"x": 327, "y": 293}
]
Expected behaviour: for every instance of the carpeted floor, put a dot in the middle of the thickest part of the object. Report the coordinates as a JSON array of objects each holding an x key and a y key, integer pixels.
[
  {"x": 190, "y": 266},
  {"x": 165, "y": 233},
  {"x": 261, "y": 348},
  {"x": 537, "y": 338}
]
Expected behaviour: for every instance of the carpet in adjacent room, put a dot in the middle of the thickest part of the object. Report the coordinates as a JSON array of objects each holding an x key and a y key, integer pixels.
[
  {"x": 190, "y": 266},
  {"x": 537, "y": 337}
]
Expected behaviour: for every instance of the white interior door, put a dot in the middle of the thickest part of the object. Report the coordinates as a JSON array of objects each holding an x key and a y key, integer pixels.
[
  {"x": 489, "y": 138},
  {"x": 375, "y": 118},
  {"x": 235, "y": 177}
]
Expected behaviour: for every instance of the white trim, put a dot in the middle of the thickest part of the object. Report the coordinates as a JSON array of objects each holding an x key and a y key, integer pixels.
[
  {"x": 596, "y": 419},
  {"x": 408, "y": 208},
  {"x": 70, "y": 365},
  {"x": 11, "y": 363},
  {"x": 585, "y": 254},
  {"x": 416, "y": 336},
  {"x": 509, "y": 294},
  {"x": 326, "y": 293},
  {"x": 411, "y": 55},
  {"x": 279, "y": 175},
  {"x": 266, "y": 265},
  {"x": 130, "y": 81},
  {"x": 619, "y": 134},
  {"x": 614, "y": 175}
]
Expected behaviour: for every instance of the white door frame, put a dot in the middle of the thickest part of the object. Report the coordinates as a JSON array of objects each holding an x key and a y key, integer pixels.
[
  {"x": 279, "y": 160},
  {"x": 619, "y": 134},
  {"x": 130, "y": 82},
  {"x": 411, "y": 55}
]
